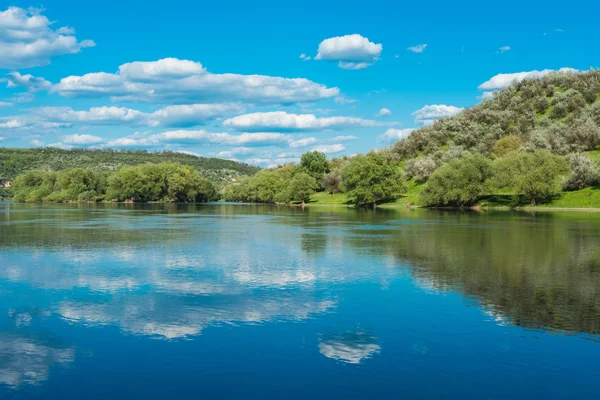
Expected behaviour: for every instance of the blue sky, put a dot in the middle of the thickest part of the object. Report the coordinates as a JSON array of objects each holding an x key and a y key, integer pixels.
[{"x": 227, "y": 78}]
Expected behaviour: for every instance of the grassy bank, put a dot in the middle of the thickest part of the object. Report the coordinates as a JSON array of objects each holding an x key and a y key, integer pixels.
[{"x": 588, "y": 198}]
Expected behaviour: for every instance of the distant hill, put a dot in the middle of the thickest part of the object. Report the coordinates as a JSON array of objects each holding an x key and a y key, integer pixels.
[{"x": 15, "y": 161}]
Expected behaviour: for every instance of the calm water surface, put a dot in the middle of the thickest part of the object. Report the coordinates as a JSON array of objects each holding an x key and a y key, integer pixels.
[{"x": 239, "y": 301}]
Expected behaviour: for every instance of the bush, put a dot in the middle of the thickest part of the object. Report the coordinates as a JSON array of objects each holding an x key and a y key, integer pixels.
[
  {"x": 584, "y": 172},
  {"x": 420, "y": 169},
  {"x": 584, "y": 134},
  {"x": 459, "y": 183}
]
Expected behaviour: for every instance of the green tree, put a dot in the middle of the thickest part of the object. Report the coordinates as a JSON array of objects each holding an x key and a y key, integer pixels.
[
  {"x": 534, "y": 177},
  {"x": 301, "y": 187},
  {"x": 315, "y": 164},
  {"x": 372, "y": 179},
  {"x": 506, "y": 144},
  {"x": 459, "y": 183}
]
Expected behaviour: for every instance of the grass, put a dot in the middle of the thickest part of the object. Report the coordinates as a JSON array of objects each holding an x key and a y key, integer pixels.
[
  {"x": 585, "y": 198},
  {"x": 326, "y": 198}
]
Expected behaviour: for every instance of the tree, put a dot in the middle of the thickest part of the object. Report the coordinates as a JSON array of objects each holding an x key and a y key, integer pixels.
[
  {"x": 333, "y": 181},
  {"x": 315, "y": 164},
  {"x": 506, "y": 144},
  {"x": 371, "y": 179},
  {"x": 301, "y": 187},
  {"x": 584, "y": 172},
  {"x": 534, "y": 177},
  {"x": 460, "y": 182}
]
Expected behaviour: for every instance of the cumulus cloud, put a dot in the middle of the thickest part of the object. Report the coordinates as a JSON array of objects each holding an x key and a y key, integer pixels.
[
  {"x": 282, "y": 121},
  {"x": 391, "y": 135},
  {"x": 28, "y": 40},
  {"x": 427, "y": 114},
  {"x": 28, "y": 81},
  {"x": 351, "y": 51},
  {"x": 304, "y": 57},
  {"x": 501, "y": 81},
  {"x": 384, "y": 112},
  {"x": 171, "y": 116},
  {"x": 20, "y": 123},
  {"x": 418, "y": 48},
  {"x": 177, "y": 81},
  {"x": 179, "y": 137}
]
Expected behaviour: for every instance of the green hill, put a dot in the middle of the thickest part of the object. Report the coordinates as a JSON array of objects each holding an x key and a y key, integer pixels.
[
  {"x": 15, "y": 161},
  {"x": 536, "y": 142}
]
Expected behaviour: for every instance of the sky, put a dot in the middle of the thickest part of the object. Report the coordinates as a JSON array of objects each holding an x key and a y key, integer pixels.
[{"x": 264, "y": 82}]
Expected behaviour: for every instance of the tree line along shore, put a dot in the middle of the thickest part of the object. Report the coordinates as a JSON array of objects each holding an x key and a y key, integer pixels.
[{"x": 535, "y": 142}]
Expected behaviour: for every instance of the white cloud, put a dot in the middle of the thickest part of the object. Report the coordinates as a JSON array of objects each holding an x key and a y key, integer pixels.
[
  {"x": 192, "y": 114},
  {"x": 181, "y": 81},
  {"x": 5, "y": 104},
  {"x": 303, "y": 142},
  {"x": 82, "y": 139},
  {"x": 384, "y": 112},
  {"x": 418, "y": 48},
  {"x": 330, "y": 149},
  {"x": 503, "y": 49},
  {"x": 21, "y": 123},
  {"x": 344, "y": 138},
  {"x": 351, "y": 51},
  {"x": 435, "y": 111},
  {"x": 30, "y": 82},
  {"x": 61, "y": 145},
  {"x": 28, "y": 40},
  {"x": 282, "y": 121},
  {"x": 305, "y": 57},
  {"x": 487, "y": 95},
  {"x": 501, "y": 81},
  {"x": 95, "y": 115},
  {"x": 173, "y": 116},
  {"x": 2, "y": 138},
  {"x": 36, "y": 143},
  {"x": 344, "y": 100},
  {"x": 201, "y": 137},
  {"x": 353, "y": 66},
  {"x": 391, "y": 135},
  {"x": 238, "y": 151}
]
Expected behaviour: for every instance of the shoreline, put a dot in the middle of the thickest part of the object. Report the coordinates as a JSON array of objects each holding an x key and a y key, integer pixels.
[{"x": 320, "y": 204}]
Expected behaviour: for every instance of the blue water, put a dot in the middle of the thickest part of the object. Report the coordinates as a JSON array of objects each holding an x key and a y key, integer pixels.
[{"x": 236, "y": 301}]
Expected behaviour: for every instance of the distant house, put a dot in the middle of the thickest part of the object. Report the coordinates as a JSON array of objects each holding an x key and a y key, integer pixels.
[{"x": 5, "y": 183}]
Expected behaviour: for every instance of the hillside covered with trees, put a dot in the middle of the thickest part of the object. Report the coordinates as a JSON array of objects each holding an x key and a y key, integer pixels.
[
  {"x": 15, "y": 161},
  {"x": 535, "y": 142}
]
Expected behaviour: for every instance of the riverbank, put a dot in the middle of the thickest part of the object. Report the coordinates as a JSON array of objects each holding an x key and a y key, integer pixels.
[{"x": 587, "y": 199}]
